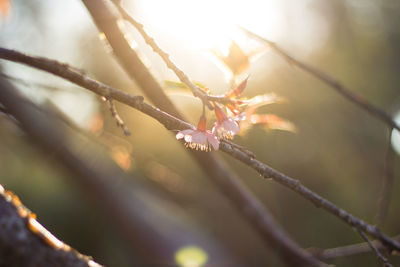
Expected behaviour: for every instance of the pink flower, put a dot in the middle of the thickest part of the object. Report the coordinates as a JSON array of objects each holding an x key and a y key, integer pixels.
[
  {"x": 225, "y": 127},
  {"x": 199, "y": 138}
]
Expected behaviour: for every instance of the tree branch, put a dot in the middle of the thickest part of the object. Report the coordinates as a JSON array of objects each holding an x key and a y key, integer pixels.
[
  {"x": 117, "y": 118},
  {"x": 385, "y": 261},
  {"x": 173, "y": 123},
  {"x": 350, "y": 250},
  {"x": 165, "y": 57},
  {"x": 24, "y": 242},
  {"x": 226, "y": 181},
  {"x": 334, "y": 84}
]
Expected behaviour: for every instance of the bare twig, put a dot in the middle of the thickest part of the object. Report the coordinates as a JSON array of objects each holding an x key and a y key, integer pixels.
[
  {"x": 337, "y": 86},
  {"x": 386, "y": 192},
  {"x": 345, "y": 251},
  {"x": 24, "y": 242},
  {"x": 385, "y": 261},
  {"x": 165, "y": 57},
  {"x": 118, "y": 120},
  {"x": 173, "y": 123}
]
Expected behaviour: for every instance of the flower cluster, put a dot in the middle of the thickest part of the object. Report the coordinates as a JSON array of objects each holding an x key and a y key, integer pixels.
[
  {"x": 199, "y": 138},
  {"x": 232, "y": 114},
  {"x": 224, "y": 128}
]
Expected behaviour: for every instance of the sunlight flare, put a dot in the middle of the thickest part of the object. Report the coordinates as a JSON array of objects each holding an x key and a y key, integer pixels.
[{"x": 207, "y": 24}]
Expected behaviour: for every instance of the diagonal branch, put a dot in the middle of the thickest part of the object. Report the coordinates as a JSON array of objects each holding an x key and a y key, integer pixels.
[
  {"x": 385, "y": 261},
  {"x": 173, "y": 123},
  {"x": 165, "y": 57},
  {"x": 334, "y": 84}
]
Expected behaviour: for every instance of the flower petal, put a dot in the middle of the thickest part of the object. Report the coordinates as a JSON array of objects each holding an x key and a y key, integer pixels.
[
  {"x": 230, "y": 126},
  {"x": 182, "y": 134},
  {"x": 213, "y": 140},
  {"x": 199, "y": 137},
  {"x": 226, "y": 128}
]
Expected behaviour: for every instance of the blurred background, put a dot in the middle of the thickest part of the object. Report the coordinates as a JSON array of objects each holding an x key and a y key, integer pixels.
[{"x": 337, "y": 149}]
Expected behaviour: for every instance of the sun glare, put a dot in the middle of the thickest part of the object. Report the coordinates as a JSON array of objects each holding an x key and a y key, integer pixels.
[{"x": 208, "y": 23}]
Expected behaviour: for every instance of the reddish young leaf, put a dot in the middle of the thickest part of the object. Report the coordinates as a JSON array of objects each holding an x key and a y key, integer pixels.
[
  {"x": 271, "y": 121},
  {"x": 261, "y": 100},
  {"x": 236, "y": 61},
  {"x": 233, "y": 107},
  {"x": 238, "y": 90}
]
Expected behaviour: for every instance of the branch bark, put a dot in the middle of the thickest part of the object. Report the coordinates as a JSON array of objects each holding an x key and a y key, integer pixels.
[{"x": 21, "y": 247}]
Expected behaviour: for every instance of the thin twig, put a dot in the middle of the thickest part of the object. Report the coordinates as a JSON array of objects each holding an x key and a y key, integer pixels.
[
  {"x": 166, "y": 58},
  {"x": 173, "y": 123},
  {"x": 385, "y": 261},
  {"x": 350, "y": 250},
  {"x": 333, "y": 83},
  {"x": 115, "y": 115},
  {"x": 387, "y": 184}
]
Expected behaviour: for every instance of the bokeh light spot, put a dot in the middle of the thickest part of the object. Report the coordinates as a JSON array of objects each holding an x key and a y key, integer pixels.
[{"x": 191, "y": 256}]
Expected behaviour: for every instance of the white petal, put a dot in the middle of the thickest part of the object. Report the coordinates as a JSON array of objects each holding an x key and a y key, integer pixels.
[
  {"x": 183, "y": 133},
  {"x": 188, "y": 138}
]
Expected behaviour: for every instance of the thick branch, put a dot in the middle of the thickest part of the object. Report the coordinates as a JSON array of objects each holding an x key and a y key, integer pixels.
[
  {"x": 171, "y": 122},
  {"x": 334, "y": 84},
  {"x": 20, "y": 246}
]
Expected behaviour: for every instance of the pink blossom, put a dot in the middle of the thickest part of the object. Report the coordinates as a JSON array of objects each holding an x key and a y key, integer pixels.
[
  {"x": 200, "y": 138},
  {"x": 225, "y": 127}
]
